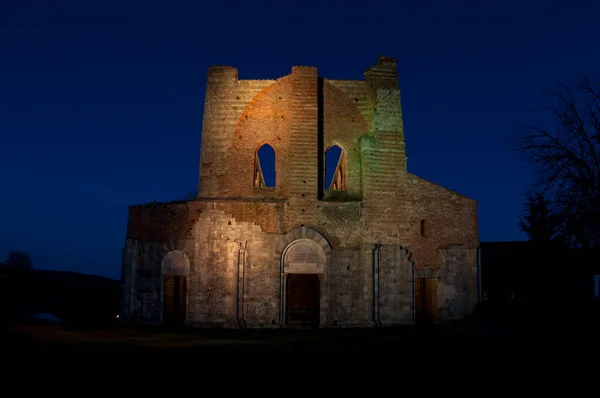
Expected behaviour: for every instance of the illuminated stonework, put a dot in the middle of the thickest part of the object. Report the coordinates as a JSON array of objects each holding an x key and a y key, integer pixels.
[{"x": 227, "y": 258}]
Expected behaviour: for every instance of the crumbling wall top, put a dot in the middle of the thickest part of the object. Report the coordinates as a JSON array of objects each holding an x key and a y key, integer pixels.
[
  {"x": 386, "y": 60},
  {"x": 222, "y": 71}
]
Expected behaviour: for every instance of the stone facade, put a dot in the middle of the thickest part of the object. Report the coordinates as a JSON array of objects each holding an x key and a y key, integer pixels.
[{"x": 369, "y": 241}]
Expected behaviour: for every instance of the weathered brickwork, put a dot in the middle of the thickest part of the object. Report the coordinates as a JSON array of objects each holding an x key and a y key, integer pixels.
[{"x": 236, "y": 246}]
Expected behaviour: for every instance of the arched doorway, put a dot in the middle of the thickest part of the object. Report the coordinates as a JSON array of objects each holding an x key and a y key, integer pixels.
[
  {"x": 303, "y": 263},
  {"x": 175, "y": 268}
]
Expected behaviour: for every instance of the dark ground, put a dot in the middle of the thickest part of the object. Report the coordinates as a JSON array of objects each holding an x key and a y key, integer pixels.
[
  {"x": 545, "y": 346},
  {"x": 468, "y": 351}
]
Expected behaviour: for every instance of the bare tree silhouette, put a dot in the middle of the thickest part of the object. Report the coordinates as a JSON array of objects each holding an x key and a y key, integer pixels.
[{"x": 566, "y": 160}]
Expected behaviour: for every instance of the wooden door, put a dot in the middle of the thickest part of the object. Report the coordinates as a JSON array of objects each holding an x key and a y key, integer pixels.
[
  {"x": 175, "y": 300},
  {"x": 426, "y": 301},
  {"x": 303, "y": 300}
]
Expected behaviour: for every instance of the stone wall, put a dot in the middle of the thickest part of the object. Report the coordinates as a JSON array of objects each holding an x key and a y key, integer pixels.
[
  {"x": 176, "y": 220},
  {"x": 349, "y": 299},
  {"x": 370, "y": 236},
  {"x": 394, "y": 286},
  {"x": 235, "y": 276},
  {"x": 458, "y": 282},
  {"x": 237, "y": 273},
  {"x": 142, "y": 277}
]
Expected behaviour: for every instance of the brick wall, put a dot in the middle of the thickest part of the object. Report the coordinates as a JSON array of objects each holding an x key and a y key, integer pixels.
[
  {"x": 225, "y": 100},
  {"x": 359, "y": 92},
  {"x": 452, "y": 219},
  {"x": 344, "y": 124},
  {"x": 265, "y": 119},
  {"x": 168, "y": 221},
  {"x": 300, "y": 116}
]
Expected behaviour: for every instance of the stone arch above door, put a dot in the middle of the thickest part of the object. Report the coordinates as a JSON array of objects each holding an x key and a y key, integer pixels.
[
  {"x": 304, "y": 256},
  {"x": 175, "y": 262},
  {"x": 303, "y": 232}
]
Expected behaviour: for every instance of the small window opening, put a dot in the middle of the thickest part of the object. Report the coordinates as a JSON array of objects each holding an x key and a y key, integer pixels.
[
  {"x": 424, "y": 228},
  {"x": 264, "y": 167},
  {"x": 335, "y": 168}
]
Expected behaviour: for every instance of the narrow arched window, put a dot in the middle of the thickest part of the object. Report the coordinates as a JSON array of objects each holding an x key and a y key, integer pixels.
[
  {"x": 424, "y": 228},
  {"x": 264, "y": 167},
  {"x": 335, "y": 168}
]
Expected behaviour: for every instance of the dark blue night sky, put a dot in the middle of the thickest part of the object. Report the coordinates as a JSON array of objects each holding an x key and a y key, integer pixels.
[{"x": 101, "y": 102}]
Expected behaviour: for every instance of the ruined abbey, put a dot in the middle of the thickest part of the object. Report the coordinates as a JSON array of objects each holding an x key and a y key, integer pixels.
[{"x": 369, "y": 245}]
